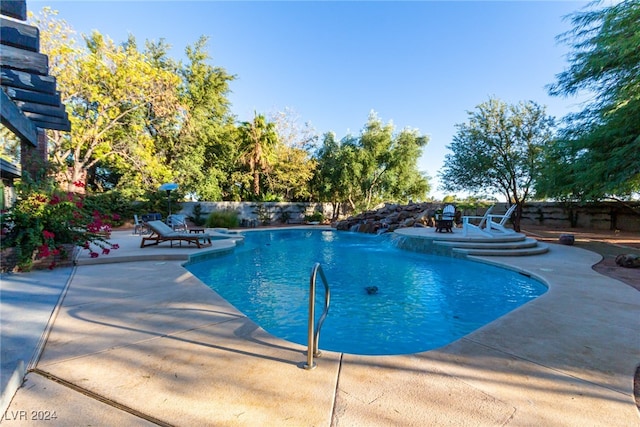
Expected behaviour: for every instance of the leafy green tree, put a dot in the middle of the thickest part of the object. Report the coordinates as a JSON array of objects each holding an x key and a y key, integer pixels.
[
  {"x": 499, "y": 151},
  {"x": 377, "y": 166},
  {"x": 114, "y": 96},
  {"x": 140, "y": 118},
  {"x": 404, "y": 181},
  {"x": 374, "y": 155},
  {"x": 10, "y": 144},
  {"x": 258, "y": 139},
  {"x": 200, "y": 148},
  {"x": 598, "y": 152},
  {"x": 388, "y": 164},
  {"x": 332, "y": 181},
  {"x": 293, "y": 167},
  {"x": 291, "y": 173},
  {"x": 118, "y": 94}
]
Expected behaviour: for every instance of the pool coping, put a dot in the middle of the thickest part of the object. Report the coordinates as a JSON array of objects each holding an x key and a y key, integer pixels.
[{"x": 568, "y": 357}]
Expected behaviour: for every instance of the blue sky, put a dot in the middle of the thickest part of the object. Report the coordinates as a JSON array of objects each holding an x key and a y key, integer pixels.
[{"x": 417, "y": 64}]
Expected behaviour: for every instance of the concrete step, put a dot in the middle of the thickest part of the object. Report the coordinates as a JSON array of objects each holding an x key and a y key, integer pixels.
[
  {"x": 498, "y": 244},
  {"x": 480, "y": 238},
  {"x": 520, "y": 244},
  {"x": 539, "y": 248}
]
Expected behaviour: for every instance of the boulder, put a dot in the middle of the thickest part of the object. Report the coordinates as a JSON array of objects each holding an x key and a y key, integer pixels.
[
  {"x": 390, "y": 217},
  {"x": 628, "y": 260},
  {"x": 369, "y": 227},
  {"x": 567, "y": 239},
  {"x": 409, "y": 222}
]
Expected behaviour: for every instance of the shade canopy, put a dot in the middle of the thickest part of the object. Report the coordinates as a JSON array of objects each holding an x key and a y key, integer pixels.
[{"x": 169, "y": 186}]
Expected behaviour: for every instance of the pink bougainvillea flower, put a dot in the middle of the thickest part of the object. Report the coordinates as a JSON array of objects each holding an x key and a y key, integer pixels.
[
  {"x": 86, "y": 245},
  {"x": 115, "y": 246},
  {"x": 115, "y": 217},
  {"x": 48, "y": 234},
  {"x": 93, "y": 254},
  {"x": 105, "y": 251},
  {"x": 43, "y": 251},
  {"x": 54, "y": 200}
]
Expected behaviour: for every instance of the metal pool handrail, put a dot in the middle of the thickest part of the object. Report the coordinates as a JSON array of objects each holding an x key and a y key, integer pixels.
[{"x": 314, "y": 336}]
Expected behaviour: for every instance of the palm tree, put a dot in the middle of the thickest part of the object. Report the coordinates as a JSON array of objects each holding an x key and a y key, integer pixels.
[{"x": 258, "y": 139}]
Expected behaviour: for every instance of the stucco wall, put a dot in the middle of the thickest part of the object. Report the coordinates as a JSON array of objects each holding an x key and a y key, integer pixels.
[
  {"x": 595, "y": 215},
  {"x": 258, "y": 211},
  {"x": 601, "y": 215}
]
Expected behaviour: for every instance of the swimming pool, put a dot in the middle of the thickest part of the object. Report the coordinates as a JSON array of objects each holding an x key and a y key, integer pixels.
[{"x": 423, "y": 301}]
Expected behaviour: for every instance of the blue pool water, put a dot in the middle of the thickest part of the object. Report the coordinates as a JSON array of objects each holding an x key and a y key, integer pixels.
[{"x": 423, "y": 301}]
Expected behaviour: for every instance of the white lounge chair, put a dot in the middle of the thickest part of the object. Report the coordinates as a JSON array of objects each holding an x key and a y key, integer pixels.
[
  {"x": 477, "y": 228},
  {"x": 502, "y": 219},
  {"x": 161, "y": 232}
]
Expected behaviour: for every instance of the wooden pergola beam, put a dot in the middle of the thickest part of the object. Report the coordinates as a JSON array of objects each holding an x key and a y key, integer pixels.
[
  {"x": 19, "y": 35},
  {"x": 14, "y": 8},
  {"x": 16, "y": 121}
]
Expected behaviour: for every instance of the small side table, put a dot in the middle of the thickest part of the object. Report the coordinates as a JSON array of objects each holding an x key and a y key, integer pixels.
[
  {"x": 443, "y": 225},
  {"x": 196, "y": 230}
]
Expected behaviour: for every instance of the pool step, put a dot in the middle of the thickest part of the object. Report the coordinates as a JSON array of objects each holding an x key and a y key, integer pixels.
[
  {"x": 538, "y": 249},
  {"x": 498, "y": 244},
  {"x": 514, "y": 245},
  {"x": 527, "y": 242}
]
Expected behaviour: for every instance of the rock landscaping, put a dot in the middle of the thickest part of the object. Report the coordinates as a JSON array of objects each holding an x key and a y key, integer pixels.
[{"x": 390, "y": 217}]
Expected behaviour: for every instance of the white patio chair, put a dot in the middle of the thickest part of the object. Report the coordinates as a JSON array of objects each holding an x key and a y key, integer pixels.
[
  {"x": 502, "y": 219},
  {"x": 467, "y": 226},
  {"x": 448, "y": 213}
]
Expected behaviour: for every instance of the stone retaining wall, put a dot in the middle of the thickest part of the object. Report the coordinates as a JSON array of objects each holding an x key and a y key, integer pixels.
[{"x": 597, "y": 215}]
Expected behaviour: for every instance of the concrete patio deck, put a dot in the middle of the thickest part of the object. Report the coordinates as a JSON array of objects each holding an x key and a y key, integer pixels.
[{"x": 145, "y": 343}]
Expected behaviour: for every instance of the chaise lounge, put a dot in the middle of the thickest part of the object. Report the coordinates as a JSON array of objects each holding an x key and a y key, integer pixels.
[{"x": 161, "y": 232}]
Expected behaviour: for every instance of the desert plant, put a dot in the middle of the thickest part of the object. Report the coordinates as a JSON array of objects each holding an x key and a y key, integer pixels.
[
  {"x": 283, "y": 215},
  {"x": 225, "y": 219},
  {"x": 197, "y": 215},
  {"x": 263, "y": 213},
  {"x": 317, "y": 216}
]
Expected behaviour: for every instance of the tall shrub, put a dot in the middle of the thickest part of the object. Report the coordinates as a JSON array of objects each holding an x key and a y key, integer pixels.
[{"x": 43, "y": 221}]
